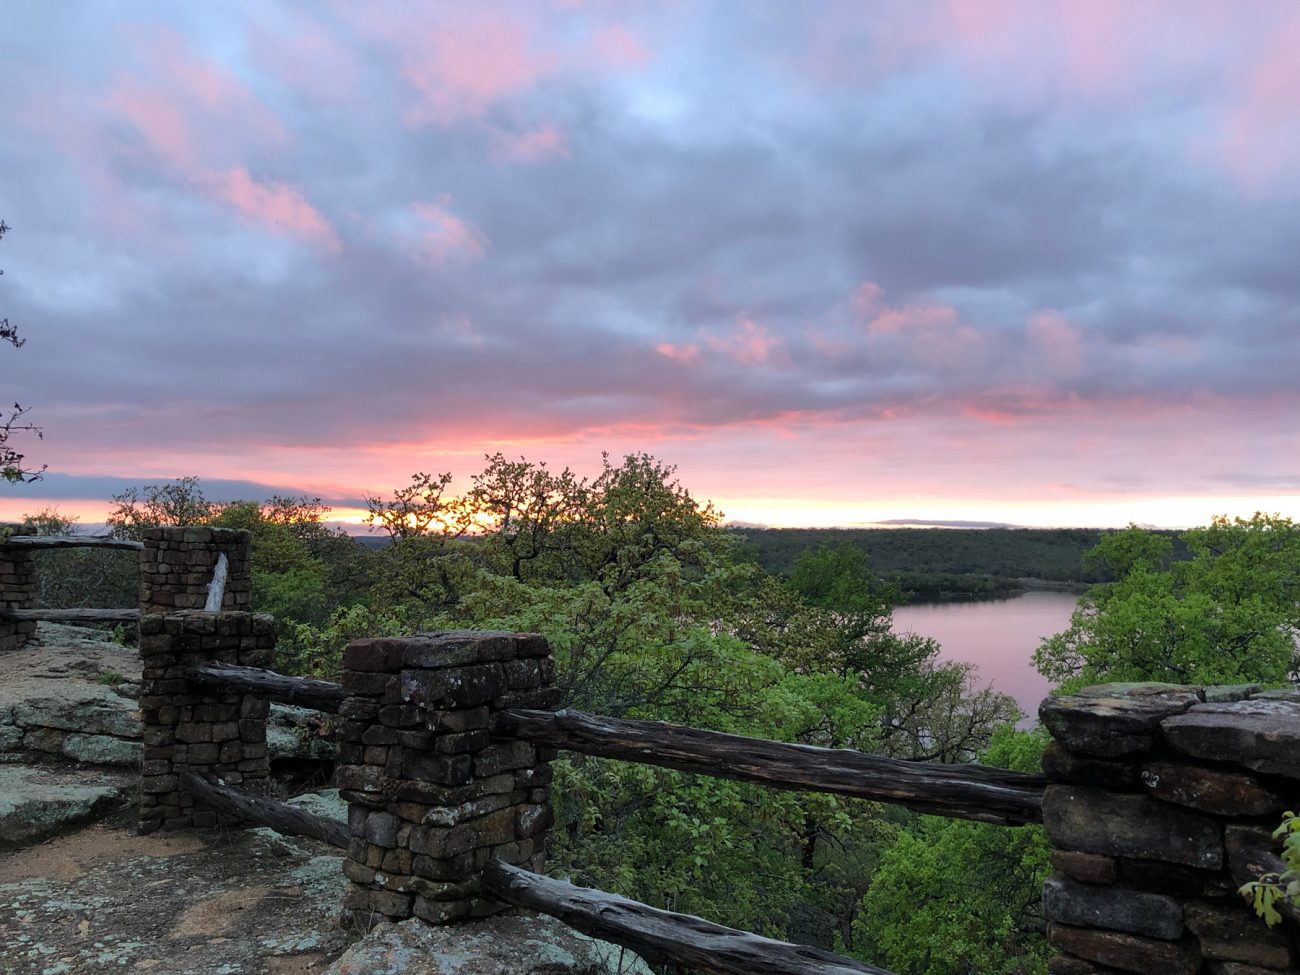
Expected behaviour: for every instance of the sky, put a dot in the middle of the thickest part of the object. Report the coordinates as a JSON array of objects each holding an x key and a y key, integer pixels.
[{"x": 1020, "y": 261}]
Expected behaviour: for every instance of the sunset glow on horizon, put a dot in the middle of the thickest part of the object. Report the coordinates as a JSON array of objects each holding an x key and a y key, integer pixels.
[{"x": 1028, "y": 262}]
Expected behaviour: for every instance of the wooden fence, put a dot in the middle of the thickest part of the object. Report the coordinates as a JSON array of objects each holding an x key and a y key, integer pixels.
[
  {"x": 966, "y": 791},
  {"x": 23, "y": 544}
]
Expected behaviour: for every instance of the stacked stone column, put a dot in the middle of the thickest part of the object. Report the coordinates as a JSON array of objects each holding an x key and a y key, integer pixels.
[
  {"x": 177, "y": 563},
  {"x": 1156, "y": 790},
  {"x": 18, "y": 590},
  {"x": 433, "y": 797},
  {"x": 217, "y": 733}
]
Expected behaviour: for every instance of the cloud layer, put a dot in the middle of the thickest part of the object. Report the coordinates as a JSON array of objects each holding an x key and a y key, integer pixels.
[{"x": 1003, "y": 251}]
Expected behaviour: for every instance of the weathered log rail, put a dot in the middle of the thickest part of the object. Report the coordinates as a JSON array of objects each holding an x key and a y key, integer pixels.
[
  {"x": 70, "y": 541},
  {"x": 975, "y": 792},
  {"x": 278, "y": 815},
  {"x": 663, "y": 936},
  {"x": 25, "y": 543},
  {"x": 321, "y": 695},
  {"x": 73, "y": 615}
]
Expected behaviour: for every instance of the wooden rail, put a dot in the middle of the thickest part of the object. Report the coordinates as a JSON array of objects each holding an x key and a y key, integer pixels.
[
  {"x": 278, "y": 815},
  {"x": 322, "y": 695},
  {"x": 663, "y": 936},
  {"x": 976, "y": 792},
  {"x": 73, "y": 615},
  {"x": 70, "y": 541}
]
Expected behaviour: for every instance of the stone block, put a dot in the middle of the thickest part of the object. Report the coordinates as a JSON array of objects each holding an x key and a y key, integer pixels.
[
  {"x": 468, "y": 719},
  {"x": 1062, "y": 765},
  {"x": 1233, "y": 794},
  {"x": 440, "y": 911},
  {"x": 1232, "y": 932},
  {"x": 1115, "y": 908},
  {"x": 439, "y": 769},
  {"x": 1261, "y": 734},
  {"x": 1112, "y": 720},
  {"x": 1092, "y": 820},
  {"x": 1091, "y": 868},
  {"x": 503, "y": 757},
  {"x": 454, "y": 687},
  {"x": 1129, "y": 952}
]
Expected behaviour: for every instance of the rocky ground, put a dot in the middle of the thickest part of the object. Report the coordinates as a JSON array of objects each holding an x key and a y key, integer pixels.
[{"x": 80, "y": 891}]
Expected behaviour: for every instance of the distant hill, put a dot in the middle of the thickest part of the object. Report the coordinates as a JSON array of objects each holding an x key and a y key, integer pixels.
[{"x": 946, "y": 562}]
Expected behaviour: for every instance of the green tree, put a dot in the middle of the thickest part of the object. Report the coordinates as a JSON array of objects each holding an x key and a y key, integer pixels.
[
  {"x": 1229, "y": 613},
  {"x": 80, "y": 577},
  {"x": 952, "y": 896},
  {"x": 301, "y": 570},
  {"x": 179, "y": 502}
]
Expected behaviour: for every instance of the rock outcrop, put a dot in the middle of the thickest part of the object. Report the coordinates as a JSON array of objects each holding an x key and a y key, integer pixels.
[{"x": 495, "y": 946}]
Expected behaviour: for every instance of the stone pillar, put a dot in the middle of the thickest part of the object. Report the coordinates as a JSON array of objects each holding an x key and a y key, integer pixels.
[
  {"x": 432, "y": 797},
  {"x": 177, "y": 564},
  {"x": 1153, "y": 789},
  {"x": 217, "y": 732},
  {"x": 18, "y": 589}
]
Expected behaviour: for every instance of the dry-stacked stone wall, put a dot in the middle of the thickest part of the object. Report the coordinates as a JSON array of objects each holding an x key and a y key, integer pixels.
[
  {"x": 177, "y": 564},
  {"x": 1157, "y": 795},
  {"x": 433, "y": 797},
  {"x": 217, "y": 733},
  {"x": 17, "y": 590}
]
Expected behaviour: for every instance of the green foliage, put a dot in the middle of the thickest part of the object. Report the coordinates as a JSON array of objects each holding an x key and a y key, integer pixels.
[
  {"x": 420, "y": 509},
  {"x": 952, "y": 896},
  {"x": 1284, "y": 887},
  {"x": 301, "y": 569},
  {"x": 72, "y": 577},
  {"x": 1228, "y": 614},
  {"x": 317, "y": 650},
  {"x": 651, "y": 613},
  {"x": 179, "y": 502},
  {"x": 924, "y": 558}
]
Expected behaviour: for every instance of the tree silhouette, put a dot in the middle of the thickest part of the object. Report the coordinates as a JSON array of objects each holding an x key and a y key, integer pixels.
[{"x": 11, "y": 460}]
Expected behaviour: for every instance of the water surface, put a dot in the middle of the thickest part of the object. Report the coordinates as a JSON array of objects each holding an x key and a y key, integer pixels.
[{"x": 997, "y": 635}]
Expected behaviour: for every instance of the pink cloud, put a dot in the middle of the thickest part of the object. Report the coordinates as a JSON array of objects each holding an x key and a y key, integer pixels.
[
  {"x": 276, "y": 205},
  {"x": 463, "y": 60},
  {"x": 684, "y": 354},
  {"x": 189, "y": 109},
  {"x": 1057, "y": 341},
  {"x": 867, "y": 297},
  {"x": 929, "y": 316},
  {"x": 749, "y": 342},
  {"x": 525, "y": 147},
  {"x": 460, "y": 69},
  {"x": 308, "y": 59},
  {"x": 616, "y": 45},
  {"x": 1260, "y": 135},
  {"x": 445, "y": 235},
  {"x": 927, "y": 333},
  {"x": 158, "y": 119}
]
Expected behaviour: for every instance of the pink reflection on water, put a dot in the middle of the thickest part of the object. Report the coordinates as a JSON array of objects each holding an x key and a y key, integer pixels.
[{"x": 997, "y": 635}]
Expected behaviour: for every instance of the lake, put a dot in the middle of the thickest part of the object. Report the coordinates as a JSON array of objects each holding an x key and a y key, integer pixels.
[{"x": 997, "y": 635}]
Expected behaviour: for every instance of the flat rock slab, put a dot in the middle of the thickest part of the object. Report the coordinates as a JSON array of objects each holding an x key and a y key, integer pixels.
[
  {"x": 36, "y": 802},
  {"x": 529, "y": 945},
  {"x": 1111, "y": 720},
  {"x": 71, "y": 695},
  {"x": 1262, "y": 734},
  {"x": 220, "y": 902}
]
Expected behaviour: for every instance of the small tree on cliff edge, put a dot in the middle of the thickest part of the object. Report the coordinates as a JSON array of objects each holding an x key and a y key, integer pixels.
[{"x": 11, "y": 461}]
